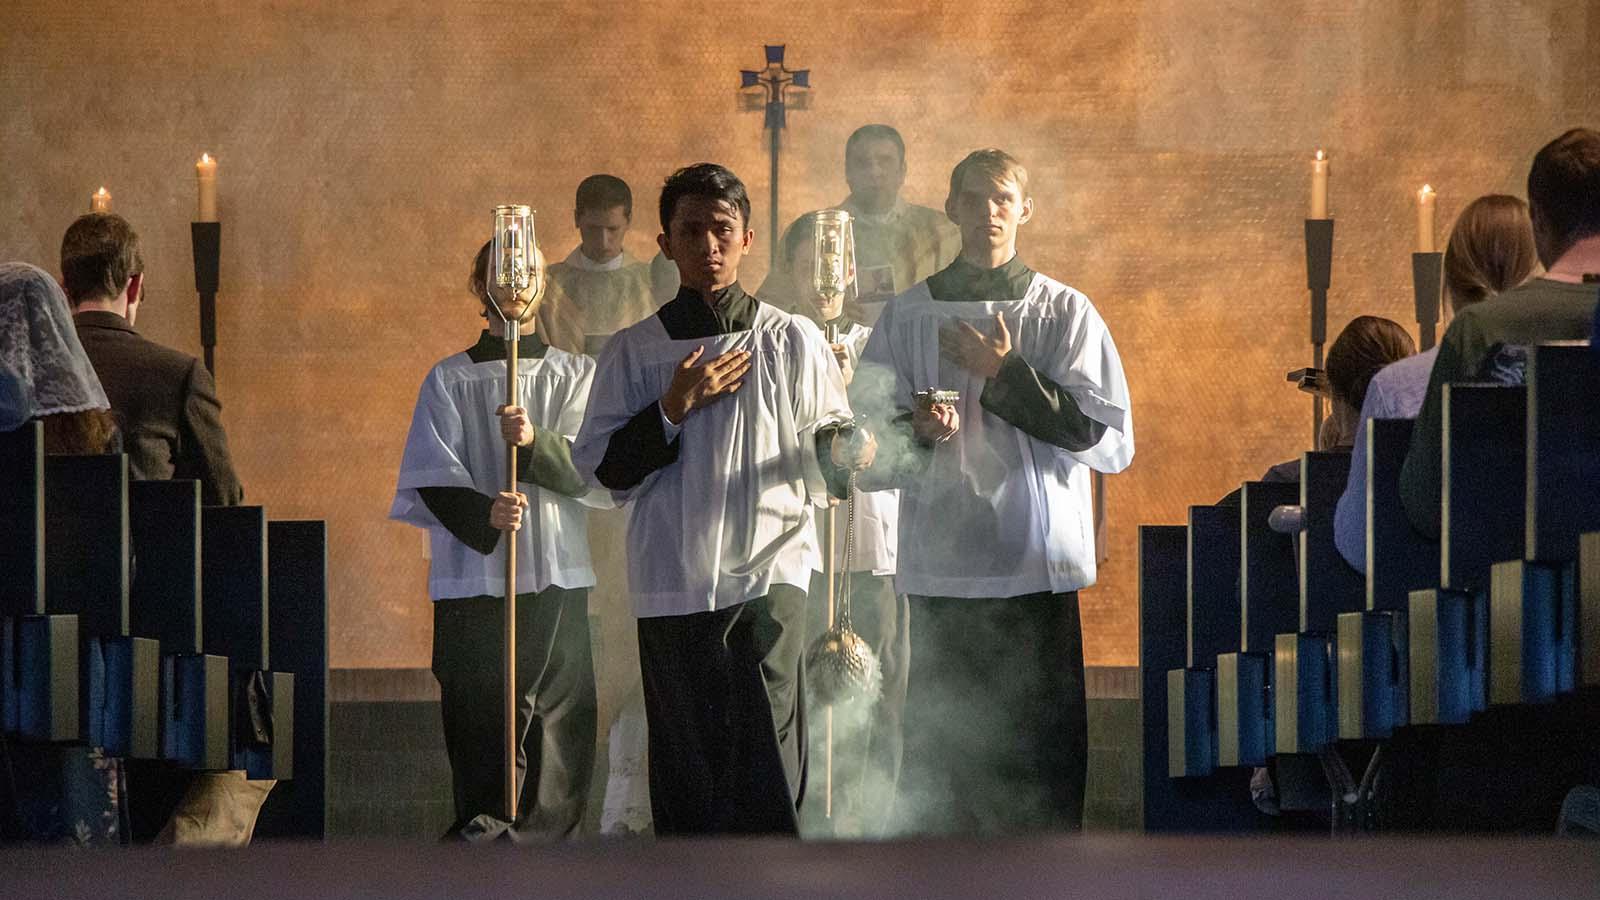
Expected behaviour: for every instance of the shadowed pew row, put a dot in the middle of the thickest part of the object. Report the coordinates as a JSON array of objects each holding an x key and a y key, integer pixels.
[
  {"x": 1499, "y": 611},
  {"x": 134, "y": 619}
]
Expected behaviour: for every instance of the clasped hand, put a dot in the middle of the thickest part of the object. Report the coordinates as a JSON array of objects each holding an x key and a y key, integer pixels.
[
  {"x": 515, "y": 426},
  {"x": 506, "y": 513},
  {"x": 696, "y": 384}
]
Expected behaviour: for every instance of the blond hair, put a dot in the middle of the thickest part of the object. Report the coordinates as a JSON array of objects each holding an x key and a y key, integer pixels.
[{"x": 992, "y": 163}]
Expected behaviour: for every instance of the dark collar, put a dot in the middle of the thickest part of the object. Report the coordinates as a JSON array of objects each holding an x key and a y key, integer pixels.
[
  {"x": 693, "y": 314},
  {"x": 491, "y": 347},
  {"x": 100, "y": 318},
  {"x": 963, "y": 281}
]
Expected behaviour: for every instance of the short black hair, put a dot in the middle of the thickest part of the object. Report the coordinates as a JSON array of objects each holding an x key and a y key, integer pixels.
[
  {"x": 703, "y": 180},
  {"x": 99, "y": 253},
  {"x": 602, "y": 192},
  {"x": 1564, "y": 193},
  {"x": 876, "y": 133}
]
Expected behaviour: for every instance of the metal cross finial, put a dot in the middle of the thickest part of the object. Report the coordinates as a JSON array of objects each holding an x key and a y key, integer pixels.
[{"x": 775, "y": 81}]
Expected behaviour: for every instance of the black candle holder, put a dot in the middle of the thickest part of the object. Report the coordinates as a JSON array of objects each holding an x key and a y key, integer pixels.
[
  {"x": 1319, "y": 274},
  {"x": 1427, "y": 277},
  {"x": 207, "y": 242}
]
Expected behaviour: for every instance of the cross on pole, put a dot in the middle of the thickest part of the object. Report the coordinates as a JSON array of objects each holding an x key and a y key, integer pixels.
[{"x": 775, "y": 81}]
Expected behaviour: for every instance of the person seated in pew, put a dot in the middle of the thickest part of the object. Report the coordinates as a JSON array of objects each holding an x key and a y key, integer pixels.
[
  {"x": 68, "y": 794},
  {"x": 1365, "y": 346},
  {"x": 1564, "y": 206},
  {"x": 451, "y": 482},
  {"x": 1490, "y": 251},
  {"x": 165, "y": 401},
  {"x": 166, "y": 406}
]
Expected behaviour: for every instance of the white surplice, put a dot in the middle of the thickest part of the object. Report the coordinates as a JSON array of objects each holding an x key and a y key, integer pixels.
[
  {"x": 999, "y": 513},
  {"x": 455, "y": 441},
  {"x": 733, "y": 515}
]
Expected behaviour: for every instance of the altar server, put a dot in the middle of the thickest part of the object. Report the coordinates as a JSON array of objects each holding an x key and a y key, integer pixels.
[
  {"x": 452, "y": 479},
  {"x": 712, "y": 420},
  {"x": 996, "y": 527}
]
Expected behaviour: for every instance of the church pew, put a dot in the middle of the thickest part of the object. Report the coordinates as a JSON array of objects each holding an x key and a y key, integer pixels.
[
  {"x": 164, "y": 519},
  {"x": 1563, "y": 486},
  {"x": 1483, "y": 497},
  {"x": 1268, "y": 605},
  {"x": 1533, "y": 600},
  {"x": 1220, "y": 802},
  {"x": 297, "y": 557},
  {"x": 1484, "y": 481},
  {"x": 1305, "y": 679},
  {"x": 1373, "y": 678},
  {"x": 87, "y": 548},
  {"x": 38, "y": 652},
  {"x": 1399, "y": 560},
  {"x": 234, "y": 624},
  {"x": 1587, "y": 580},
  {"x": 1212, "y": 625}
]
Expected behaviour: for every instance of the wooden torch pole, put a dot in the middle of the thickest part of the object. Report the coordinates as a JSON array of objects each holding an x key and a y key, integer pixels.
[{"x": 512, "y": 399}]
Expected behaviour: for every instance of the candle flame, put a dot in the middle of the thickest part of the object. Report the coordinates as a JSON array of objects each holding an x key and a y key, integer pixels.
[
  {"x": 1426, "y": 190},
  {"x": 102, "y": 192},
  {"x": 205, "y": 157},
  {"x": 1321, "y": 155}
]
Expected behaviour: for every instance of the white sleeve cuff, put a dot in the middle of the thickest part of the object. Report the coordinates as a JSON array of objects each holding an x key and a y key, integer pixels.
[{"x": 667, "y": 428}]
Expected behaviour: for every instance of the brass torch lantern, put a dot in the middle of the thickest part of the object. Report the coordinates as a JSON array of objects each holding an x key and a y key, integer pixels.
[
  {"x": 513, "y": 272},
  {"x": 833, "y": 259}
]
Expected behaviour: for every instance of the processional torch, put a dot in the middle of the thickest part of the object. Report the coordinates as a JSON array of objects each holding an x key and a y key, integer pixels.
[
  {"x": 513, "y": 272},
  {"x": 842, "y": 669}
]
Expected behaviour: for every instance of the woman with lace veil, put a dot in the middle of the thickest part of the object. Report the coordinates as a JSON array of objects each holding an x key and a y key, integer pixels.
[{"x": 49, "y": 792}]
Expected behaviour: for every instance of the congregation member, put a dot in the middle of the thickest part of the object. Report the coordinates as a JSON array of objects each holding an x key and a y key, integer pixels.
[
  {"x": 54, "y": 793},
  {"x": 165, "y": 401},
  {"x": 1489, "y": 252},
  {"x": 715, "y": 421},
  {"x": 996, "y": 528},
  {"x": 170, "y": 420},
  {"x": 452, "y": 483},
  {"x": 898, "y": 243},
  {"x": 1564, "y": 207}
]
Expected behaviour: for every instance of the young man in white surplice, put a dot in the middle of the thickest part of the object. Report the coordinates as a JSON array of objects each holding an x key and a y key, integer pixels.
[
  {"x": 714, "y": 422},
  {"x": 452, "y": 483},
  {"x": 996, "y": 529}
]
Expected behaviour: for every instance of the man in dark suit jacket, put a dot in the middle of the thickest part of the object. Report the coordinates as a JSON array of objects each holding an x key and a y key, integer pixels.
[{"x": 164, "y": 401}]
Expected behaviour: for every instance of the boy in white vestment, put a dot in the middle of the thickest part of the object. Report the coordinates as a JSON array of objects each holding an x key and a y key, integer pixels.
[
  {"x": 996, "y": 527},
  {"x": 452, "y": 480},
  {"x": 713, "y": 420}
]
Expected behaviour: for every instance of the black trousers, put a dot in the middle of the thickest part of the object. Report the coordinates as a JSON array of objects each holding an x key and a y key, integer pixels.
[
  {"x": 996, "y": 719},
  {"x": 868, "y": 744},
  {"x": 727, "y": 729},
  {"x": 556, "y": 708}
]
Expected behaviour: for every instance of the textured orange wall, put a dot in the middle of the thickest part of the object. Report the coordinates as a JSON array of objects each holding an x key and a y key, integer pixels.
[{"x": 362, "y": 144}]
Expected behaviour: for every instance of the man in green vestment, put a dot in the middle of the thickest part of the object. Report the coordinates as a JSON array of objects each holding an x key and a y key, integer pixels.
[{"x": 897, "y": 243}]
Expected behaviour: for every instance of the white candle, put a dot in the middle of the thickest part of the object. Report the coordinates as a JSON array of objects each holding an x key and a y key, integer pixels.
[
  {"x": 1319, "y": 186},
  {"x": 100, "y": 201},
  {"x": 206, "y": 174},
  {"x": 1427, "y": 202}
]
